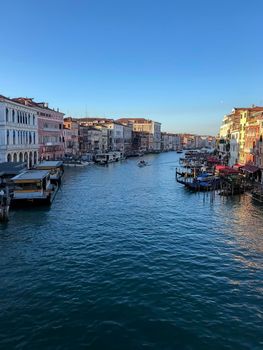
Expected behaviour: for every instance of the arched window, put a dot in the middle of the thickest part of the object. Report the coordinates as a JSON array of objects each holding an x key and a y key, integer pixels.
[
  {"x": 29, "y": 117},
  {"x": 13, "y": 116},
  {"x": 34, "y": 119},
  {"x": 30, "y": 138},
  {"x": 18, "y": 117},
  {"x": 26, "y": 137},
  {"x": 14, "y": 137},
  {"x": 7, "y": 137},
  {"x": 20, "y": 157},
  {"x": 34, "y": 136},
  {"x": 6, "y": 114},
  {"x": 23, "y": 118},
  {"x": 9, "y": 158}
]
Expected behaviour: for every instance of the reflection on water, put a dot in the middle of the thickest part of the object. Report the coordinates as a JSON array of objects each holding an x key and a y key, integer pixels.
[{"x": 127, "y": 259}]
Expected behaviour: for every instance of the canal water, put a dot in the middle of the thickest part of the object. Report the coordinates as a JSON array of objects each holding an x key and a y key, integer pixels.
[{"x": 126, "y": 258}]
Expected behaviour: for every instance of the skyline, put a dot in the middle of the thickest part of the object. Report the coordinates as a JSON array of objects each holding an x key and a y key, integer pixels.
[{"x": 185, "y": 65}]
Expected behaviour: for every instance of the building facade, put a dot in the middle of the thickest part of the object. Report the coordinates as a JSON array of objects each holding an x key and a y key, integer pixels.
[
  {"x": 50, "y": 129},
  {"x": 71, "y": 137},
  {"x": 18, "y": 132},
  {"x": 146, "y": 126}
]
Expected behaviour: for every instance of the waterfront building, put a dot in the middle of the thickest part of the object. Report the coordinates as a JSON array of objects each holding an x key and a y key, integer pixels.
[
  {"x": 71, "y": 136},
  {"x": 127, "y": 138},
  {"x": 50, "y": 129},
  {"x": 116, "y": 136},
  {"x": 239, "y": 135},
  {"x": 140, "y": 142},
  {"x": 94, "y": 141},
  {"x": 251, "y": 136},
  {"x": 246, "y": 116},
  {"x": 150, "y": 127},
  {"x": 170, "y": 142},
  {"x": 259, "y": 145},
  {"x": 234, "y": 147},
  {"x": 18, "y": 132},
  {"x": 83, "y": 139},
  {"x": 165, "y": 142}
]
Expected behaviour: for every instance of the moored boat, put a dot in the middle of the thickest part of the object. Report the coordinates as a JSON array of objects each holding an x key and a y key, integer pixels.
[{"x": 33, "y": 187}]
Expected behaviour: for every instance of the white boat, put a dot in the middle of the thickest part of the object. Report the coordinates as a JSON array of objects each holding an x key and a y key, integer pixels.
[
  {"x": 76, "y": 163},
  {"x": 104, "y": 158}
]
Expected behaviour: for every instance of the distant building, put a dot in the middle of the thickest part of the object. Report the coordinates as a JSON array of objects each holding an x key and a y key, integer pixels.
[
  {"x": 150, "y": 127},
  {"x": 71, "y": 136}
]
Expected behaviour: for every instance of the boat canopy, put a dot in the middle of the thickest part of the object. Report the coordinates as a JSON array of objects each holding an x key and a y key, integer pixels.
[
  {"x": 252, "y": 169},
  {"x": 48, "y": 164},
  {"x": 31, "y": 176}
]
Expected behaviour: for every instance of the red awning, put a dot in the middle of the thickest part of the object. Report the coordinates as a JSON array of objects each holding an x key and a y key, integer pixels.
[
  {"x": 250, "y": 168},
  {"x": 224, "y": 169}
]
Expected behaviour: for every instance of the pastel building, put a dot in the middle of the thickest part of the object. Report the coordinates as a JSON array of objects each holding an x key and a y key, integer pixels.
[
  {"x": 150, "y": 127},
  {"x": 18, "y": 132},
  {"x": 71, "y": 136},
  {"x": 50, "y": 129}
]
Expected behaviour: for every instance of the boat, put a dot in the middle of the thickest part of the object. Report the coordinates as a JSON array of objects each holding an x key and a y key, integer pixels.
[
  {"x": 55, "y": 169},
  {"x": 202, "y": 182},
  {"x": 142, "y": 163},
  {"x": 105, "y": 158},
  {"x": 75, "y": 163},
  {"x": 179, "y": 151},
  {"x": 33, "y": 187}
]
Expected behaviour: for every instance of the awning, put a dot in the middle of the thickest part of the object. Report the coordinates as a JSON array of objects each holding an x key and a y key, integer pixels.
[{"x": 250, "y": 168}]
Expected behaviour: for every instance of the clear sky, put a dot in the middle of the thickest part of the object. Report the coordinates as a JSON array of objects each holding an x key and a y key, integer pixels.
[{"x": 184, "y": 63}]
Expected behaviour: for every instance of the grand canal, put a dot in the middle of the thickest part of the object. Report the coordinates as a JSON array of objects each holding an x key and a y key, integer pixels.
[{"x": 127, "y": 259}]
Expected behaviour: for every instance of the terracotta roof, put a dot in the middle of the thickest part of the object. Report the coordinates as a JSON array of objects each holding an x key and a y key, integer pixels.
[
  {"x": 138, "y": 120},
  {"x": 26, "y": 101}
]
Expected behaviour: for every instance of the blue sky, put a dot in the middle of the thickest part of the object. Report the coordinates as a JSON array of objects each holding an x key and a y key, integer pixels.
[{"x": 182, "y": 62}]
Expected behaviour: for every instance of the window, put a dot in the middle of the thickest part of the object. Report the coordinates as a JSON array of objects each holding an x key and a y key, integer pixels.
[
  {"x": 34, "y": 119},
  {"x": 6, "y": 114},
  {"x": 13, "y": 116},
  {"x": 7, "y": 137}
]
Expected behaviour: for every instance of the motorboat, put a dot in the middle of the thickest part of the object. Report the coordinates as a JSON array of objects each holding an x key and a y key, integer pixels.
[{"x": 142, "y": 163}]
